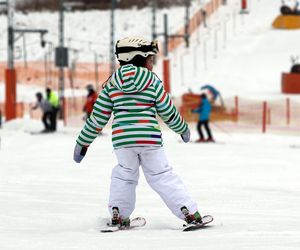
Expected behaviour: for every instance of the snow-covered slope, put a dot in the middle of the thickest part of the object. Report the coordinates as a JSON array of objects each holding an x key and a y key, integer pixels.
[
  {"x": 249, "y": 183},
  {"x": 244, "y": 55},
  {"x": 88, "y": 31},
  {"x": 238, "y": 54}
]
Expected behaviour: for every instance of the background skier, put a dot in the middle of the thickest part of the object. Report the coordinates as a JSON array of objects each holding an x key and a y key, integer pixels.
[
  {"x": 90, "y": 100},
  {"x": 46, "y": 108},
  {"x": 54, "y": 101},
  {"x": 204, "y": 111}
]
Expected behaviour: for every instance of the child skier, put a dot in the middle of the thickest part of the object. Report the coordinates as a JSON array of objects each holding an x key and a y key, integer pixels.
[
  {"x": 204, "y": 111},
  {"x": 134, "y": 94}
]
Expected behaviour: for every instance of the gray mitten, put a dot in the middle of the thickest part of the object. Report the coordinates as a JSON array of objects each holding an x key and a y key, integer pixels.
[
  {"x": 79, "y": 153},
  {"x": 186, "y": 136}
]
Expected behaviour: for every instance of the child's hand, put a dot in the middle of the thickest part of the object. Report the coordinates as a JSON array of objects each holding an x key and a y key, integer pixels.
[
  {"x": 79, "y": 153},
  {"x": 186, "y": 136}
]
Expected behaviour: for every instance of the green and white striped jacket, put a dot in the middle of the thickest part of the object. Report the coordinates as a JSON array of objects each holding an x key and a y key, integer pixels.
[{"x": 134, "y": 95}]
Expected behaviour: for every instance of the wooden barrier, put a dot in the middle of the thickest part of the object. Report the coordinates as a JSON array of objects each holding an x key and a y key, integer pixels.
[
  {"x": 188, "y": 103},
  {"x": 290, "y": 83},
  {"x": 192, "y": 101}
]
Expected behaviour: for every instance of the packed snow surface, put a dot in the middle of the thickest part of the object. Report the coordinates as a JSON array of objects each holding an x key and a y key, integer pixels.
[{"x": 249, "y": 183}]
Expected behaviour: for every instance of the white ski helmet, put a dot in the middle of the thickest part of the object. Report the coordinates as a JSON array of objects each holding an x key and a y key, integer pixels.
[{"x": 129, "y": 47}]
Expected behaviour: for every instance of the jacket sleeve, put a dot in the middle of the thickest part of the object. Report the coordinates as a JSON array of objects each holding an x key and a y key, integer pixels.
[
  {"x": 96, "y": 122},
  {"x": 167, "y": 111}
]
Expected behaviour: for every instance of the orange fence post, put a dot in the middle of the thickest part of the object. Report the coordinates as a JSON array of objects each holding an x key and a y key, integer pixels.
[
  {"x": 244, "y": 4},
  {"x": 166, "y": 74},
  {"x": 236, "y": 107},
  {"x": 288, "y": 111},
  {"x": 264, "y": 117},
  {"x": 10, "y": 94}
]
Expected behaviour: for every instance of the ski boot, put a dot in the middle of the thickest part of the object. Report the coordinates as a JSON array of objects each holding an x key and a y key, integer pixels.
[
  {"x": 117, "y": 221},
  {"x": 191, "y": 218}
]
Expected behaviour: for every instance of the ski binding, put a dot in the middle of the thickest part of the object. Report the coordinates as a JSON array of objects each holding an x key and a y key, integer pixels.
[
  {"x": 135, "y": 222},
  {"x": 205, "y": 220}
]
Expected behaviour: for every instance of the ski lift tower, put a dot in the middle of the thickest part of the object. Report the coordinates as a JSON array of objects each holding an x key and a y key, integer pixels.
[
  {"x": 10, "y": 72},
  {"x": 62, "y": 53}
]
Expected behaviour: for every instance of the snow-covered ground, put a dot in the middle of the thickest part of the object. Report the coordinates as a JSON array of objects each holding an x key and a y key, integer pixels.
[
  {"x": 238, "y": 54},
  {"x": 249, "y": 183}
]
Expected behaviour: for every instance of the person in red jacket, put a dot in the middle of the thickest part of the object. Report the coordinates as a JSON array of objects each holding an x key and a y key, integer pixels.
[{"x": 90, "y": 100}]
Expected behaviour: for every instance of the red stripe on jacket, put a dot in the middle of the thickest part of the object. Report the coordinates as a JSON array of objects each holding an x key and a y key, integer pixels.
[
  {"x": 117, "y": 94},
  {"x": 118, "y": 131},
  {"x": 147, "y": 142},
  {"x": 130, "y": 73}
]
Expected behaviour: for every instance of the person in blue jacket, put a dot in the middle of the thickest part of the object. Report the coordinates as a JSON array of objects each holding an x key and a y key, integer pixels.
[{"x": 204, "y": 111}]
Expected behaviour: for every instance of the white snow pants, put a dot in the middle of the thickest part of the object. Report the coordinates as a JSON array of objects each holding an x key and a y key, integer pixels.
[{"x": 158, "y": 174}]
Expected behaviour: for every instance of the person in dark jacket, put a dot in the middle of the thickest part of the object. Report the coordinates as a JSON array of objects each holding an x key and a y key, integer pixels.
[
  {"x": 53, "y": 99},
  {"x": 204, "y": 111},
  {"x": 47, "y": 110}
]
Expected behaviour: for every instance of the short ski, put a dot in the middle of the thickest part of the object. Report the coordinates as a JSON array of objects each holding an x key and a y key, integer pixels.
[
  {"x": 136, "y": 222},
  {"x": 205, "y": 220}
]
